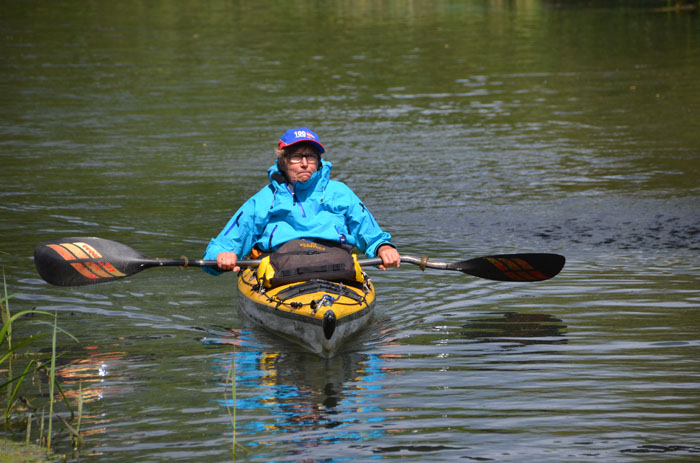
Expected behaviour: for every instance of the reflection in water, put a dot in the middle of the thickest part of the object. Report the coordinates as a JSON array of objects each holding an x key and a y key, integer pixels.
[
  {"x": 89, "y": 373},
  {"x": 305, "y": 396},
  {"x": 93, "y": 377},
  {"x": 522, "y": 328},
  {"x": 242, "y": 338}
]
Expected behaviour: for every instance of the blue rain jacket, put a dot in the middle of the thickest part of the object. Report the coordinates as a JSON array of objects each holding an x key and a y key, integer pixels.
[{"x": 319, "y": 208}]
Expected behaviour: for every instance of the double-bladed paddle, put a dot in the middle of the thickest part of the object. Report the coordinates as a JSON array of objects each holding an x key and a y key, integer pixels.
[{"x": 86, "y": 261}]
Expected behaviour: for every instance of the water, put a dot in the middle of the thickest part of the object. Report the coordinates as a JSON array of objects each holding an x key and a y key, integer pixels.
[{"x": 469, "y": 128}]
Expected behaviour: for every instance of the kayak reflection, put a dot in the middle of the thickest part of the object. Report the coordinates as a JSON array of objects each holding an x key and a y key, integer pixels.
[{"x": 294, "y": 393}]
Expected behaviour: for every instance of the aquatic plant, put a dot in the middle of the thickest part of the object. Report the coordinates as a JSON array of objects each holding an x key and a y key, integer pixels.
[
  {"x": 231, "y": 410},
  {"x": 12, "y": 349}
]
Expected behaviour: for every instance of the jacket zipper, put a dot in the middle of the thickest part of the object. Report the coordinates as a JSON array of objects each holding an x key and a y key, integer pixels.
[
  {"x": 294, "y": 199},
  {"x": 269, "y": 242},
  {"x": 341, "y": 237},
  {"x": 235, "y": 222}
]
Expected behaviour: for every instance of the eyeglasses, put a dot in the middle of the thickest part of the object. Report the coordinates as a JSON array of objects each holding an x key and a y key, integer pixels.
[{"x": 296, "y": 158}]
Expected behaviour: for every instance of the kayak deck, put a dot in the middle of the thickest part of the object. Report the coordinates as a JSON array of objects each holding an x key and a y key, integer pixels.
[{"x": 318, "y": 314}]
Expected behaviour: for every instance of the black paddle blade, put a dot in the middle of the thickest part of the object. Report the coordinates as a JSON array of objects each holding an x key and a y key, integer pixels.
[
  {"x": 512, "y": 267},
  {"x": 86, "y": 261}
]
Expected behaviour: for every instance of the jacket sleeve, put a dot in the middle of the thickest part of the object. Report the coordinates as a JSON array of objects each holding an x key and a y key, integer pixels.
[
  {"x": 361, "y": 224},
  {"x": 239, "y": 234}
]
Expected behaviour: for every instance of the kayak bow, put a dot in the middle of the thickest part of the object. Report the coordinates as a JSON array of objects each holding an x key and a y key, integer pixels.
[{"x": 317, "y": 314}]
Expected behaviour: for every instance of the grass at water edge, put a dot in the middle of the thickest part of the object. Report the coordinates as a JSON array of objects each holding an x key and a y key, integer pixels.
[{"x": 16, "y": 452}]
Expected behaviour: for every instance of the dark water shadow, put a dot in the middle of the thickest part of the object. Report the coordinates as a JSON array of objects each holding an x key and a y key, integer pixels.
[{"x": 521, "y": 328}]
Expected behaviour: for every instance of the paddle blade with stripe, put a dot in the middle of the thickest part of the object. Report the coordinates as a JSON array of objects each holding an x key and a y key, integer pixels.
[
  {"x": 512, "y": 267},
  {"x": 85, "y": 261}
]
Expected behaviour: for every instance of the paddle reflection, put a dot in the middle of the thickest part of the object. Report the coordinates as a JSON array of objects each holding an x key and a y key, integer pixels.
[
  {"x": 92, "y": 377},
  {"x": 294, "y": 393},
  {"x": 522, "y": 328},
  {"x": 86, "y": 375}
]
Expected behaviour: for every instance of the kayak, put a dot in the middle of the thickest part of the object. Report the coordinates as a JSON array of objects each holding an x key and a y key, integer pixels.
[{"x": 320, "y": 315}]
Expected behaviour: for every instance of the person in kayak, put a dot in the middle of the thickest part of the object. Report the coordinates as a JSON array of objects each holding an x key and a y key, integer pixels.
[{"x": 301, "y": 201}]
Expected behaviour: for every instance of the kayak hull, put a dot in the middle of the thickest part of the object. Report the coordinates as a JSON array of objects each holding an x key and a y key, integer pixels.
[{"x": 320, "y": 315}]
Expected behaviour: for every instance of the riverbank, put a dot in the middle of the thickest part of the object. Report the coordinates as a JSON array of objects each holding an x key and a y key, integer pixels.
[{"x": 16, "y": 452}]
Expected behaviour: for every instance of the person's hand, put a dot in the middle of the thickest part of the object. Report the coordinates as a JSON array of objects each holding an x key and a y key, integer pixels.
[
  {"x": 227, "y": 261},
  {"x": 389, "y": 255}
]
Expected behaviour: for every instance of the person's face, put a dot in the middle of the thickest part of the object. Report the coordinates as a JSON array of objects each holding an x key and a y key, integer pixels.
[{"x": 301, "y": 164}]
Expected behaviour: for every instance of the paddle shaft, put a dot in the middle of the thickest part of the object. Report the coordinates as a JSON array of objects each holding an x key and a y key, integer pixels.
[
  {"x": 185, "y": 262},
  {"x": 422, "y": 262}
]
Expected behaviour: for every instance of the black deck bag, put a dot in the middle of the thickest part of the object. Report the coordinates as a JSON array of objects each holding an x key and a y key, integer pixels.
[{"x": 300, "y": 260}]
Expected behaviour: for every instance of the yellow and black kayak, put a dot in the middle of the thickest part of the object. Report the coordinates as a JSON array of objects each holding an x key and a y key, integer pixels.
[{"x": 318, "y": 314}]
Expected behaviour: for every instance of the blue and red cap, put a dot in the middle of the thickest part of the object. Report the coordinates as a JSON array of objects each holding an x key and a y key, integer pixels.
[{"x": 293, "y": 136}]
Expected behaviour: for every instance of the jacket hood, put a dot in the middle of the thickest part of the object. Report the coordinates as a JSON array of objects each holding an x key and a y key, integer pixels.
[{"x": 319, "y": 178}]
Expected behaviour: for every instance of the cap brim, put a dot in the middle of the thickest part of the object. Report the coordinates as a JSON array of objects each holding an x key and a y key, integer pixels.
[{"x": 318, "y": 146}]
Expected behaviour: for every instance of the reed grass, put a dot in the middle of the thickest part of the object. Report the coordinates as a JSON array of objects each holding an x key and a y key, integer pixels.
[
  {"x": 78, "y": 441},
  {"x": 52, "y": 378},
  {"x": 5, "y": 306},
  {"x": 13, "y": 384},
  {"x": 231, "y": 409}
]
